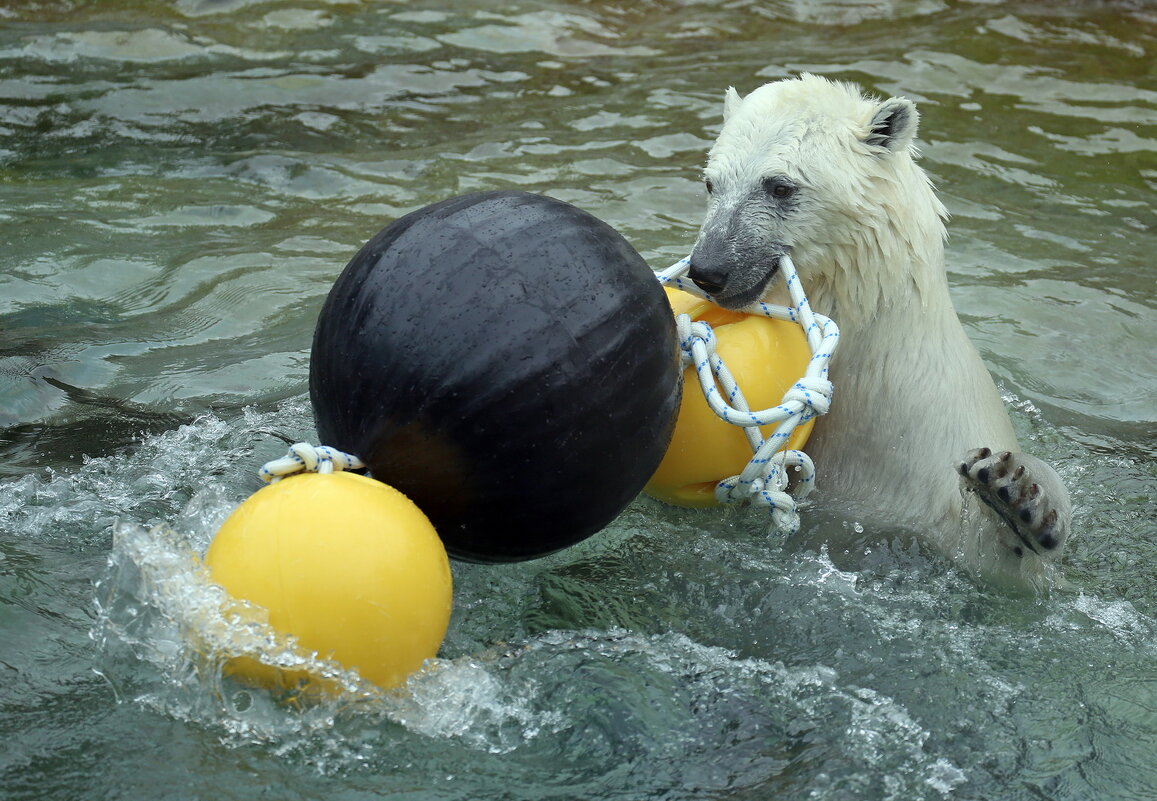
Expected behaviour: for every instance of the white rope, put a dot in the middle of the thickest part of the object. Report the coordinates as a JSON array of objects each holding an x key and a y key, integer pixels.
[
  {"x": 305, "y": 458},
  {"x": 765, "y": 478}
]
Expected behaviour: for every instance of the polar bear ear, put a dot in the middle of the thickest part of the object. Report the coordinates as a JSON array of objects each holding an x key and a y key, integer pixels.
[
  {"x": 893, "y": 126},
  {"x": 731, "y": 101}
]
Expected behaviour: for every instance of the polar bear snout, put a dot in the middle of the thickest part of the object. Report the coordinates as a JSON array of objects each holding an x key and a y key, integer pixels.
[
  {"x": 734, "y": 278},
  {"x": 736, "y": 255}
]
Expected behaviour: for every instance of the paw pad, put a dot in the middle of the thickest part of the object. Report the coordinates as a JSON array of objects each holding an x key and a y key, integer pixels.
[{"x": 1006, "y": 485}]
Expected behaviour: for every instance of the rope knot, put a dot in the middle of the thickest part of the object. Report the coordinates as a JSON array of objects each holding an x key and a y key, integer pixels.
[
  {"x": 305, "y": 458},
  {"x": 814, "y": 394},
  {"x": 693, "y": 332},
  {"x": 697, "y": 339}
]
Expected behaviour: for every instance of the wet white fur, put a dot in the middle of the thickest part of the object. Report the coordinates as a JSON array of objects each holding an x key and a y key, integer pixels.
[{"x": 912, "y": 394}]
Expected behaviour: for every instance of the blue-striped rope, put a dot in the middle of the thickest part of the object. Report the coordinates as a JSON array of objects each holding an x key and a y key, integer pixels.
[
  {"x": 306, "y": 458},
  {"x": 766, "y": 477}
]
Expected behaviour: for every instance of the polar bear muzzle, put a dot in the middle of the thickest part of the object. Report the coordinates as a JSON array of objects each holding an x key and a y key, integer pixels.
[{"x": 733, "y": 270}]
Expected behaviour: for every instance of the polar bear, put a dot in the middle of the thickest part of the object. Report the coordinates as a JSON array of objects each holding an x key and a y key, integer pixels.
[{"x": 918, "y": 437}]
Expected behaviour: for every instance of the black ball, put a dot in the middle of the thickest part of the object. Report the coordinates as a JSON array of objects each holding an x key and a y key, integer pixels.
[{"x": 507, "y": 361}]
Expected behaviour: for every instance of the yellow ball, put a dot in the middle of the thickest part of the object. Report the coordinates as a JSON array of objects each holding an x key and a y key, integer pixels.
[
  {"x": 765, "y": 357},
  {"x": 347, "y": 565}
]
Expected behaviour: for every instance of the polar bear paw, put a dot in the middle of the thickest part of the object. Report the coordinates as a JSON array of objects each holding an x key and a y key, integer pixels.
[{"x": 1025, "y": 492}]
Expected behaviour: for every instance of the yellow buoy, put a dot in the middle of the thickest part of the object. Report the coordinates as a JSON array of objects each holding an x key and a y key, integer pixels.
[
  {"x": 347, "y": 565},
  {"x": 765, "y": 356}
]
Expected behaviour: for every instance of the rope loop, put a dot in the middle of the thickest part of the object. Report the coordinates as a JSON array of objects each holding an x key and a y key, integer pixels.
[
  {"x": 306, "y": 458},
  {"x": 766, "y": 477}
]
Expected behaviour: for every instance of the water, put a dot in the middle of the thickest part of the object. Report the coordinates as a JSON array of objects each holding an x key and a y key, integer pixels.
[{"x": 179, "y": 185}]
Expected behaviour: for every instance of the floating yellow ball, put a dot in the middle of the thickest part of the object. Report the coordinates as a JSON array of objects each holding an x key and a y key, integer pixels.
[
  {"x": 347, "y": 565},
  {"x": 765, "y": 357}
]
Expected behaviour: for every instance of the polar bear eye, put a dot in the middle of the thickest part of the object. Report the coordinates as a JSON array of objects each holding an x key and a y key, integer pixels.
[
  {"x": 778, "y": 187},
  {"x": 710, "y": 186}
]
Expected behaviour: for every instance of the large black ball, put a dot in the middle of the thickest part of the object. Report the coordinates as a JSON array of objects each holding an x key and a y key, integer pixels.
[{"x": 507, "y": 361}]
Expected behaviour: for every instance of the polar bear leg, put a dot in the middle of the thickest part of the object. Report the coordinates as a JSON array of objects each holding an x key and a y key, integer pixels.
[{"x": 1026, "y": 493}]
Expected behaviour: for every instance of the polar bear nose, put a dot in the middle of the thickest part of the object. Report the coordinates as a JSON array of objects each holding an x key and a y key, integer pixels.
[{"x": 710, "y": 281}]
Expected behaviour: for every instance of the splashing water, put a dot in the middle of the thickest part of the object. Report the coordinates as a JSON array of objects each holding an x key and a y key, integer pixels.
[{"x": 546, "y": 694}]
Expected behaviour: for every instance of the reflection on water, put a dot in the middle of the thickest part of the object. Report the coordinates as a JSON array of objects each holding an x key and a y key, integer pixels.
[{"x": 179, "y": 184}]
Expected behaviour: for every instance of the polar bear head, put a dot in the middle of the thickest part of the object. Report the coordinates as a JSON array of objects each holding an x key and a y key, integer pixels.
[{"x": 811, "y": 167}]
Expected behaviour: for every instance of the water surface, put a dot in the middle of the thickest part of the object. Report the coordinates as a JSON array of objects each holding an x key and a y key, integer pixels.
[{"x": 180, "y": 183}]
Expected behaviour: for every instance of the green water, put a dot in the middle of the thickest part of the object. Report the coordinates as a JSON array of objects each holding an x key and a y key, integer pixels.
[{"x": 181, "y": 182}]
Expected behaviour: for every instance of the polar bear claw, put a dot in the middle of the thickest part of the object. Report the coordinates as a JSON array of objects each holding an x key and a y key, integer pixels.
[{"x": 1007, "y": 486}]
